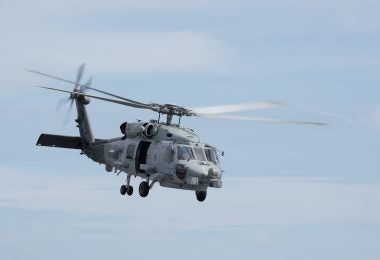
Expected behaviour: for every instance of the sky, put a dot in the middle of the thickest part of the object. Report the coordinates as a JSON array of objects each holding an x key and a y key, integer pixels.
[{"x": 289, "y": 191}]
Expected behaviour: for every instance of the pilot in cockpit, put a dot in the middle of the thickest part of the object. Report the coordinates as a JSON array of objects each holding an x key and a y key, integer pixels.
[{"x": 184, "y": 153}]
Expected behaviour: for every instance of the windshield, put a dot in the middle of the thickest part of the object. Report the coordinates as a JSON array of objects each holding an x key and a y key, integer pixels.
[
  {"x": 199, "y": 154},
  {"x": 185, "y": 153},
  {"x": 211, "y": 155}
]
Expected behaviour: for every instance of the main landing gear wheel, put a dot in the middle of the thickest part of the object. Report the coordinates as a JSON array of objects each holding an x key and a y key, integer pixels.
[
  {"x": 126, "y": 190},
  {"x": 144, "y": 189},
  {"x": 201, "y": 195},
  {"x": 123, "y": 190},
  {"x": 129, "y": 190}
]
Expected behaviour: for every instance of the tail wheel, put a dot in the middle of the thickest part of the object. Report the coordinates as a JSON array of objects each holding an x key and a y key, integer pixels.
[
  {"x": 144, "y": 189},
  {"x": 201, "y": 195}
]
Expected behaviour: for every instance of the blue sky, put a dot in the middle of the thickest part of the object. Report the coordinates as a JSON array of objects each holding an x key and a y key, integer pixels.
[{"x": 290, "y": 192}]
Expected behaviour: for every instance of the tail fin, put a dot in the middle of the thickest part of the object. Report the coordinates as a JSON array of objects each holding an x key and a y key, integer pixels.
[
  {"x": 60, "y": 141},
  {"x": 83, "y": 120}
]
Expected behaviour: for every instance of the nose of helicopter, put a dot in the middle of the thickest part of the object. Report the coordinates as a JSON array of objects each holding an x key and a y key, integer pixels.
[
  {"x": 214, "y": 173},
  {"x": 198, "y": 170},
  {"x": 209, "y": 174}
]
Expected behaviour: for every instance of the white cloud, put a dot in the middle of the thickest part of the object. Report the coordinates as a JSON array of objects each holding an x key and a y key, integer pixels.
[
  {"x": 98, "y": 5},
  {"x": 121, "y": 52},
  {"x": 139, "y": 52},
  {"x": 242, "y": 202},
  {"x": 42, "y": 35},
  {"x": 376, "y": 117},
  {"x": 360, "y": 16}
]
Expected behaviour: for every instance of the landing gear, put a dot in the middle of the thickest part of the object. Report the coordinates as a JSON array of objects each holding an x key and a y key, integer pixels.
[
  {"x": 123, "y": 190},
  {"x": 127, "y": 189},
  {"x": 201, "y": 195},
  {"x": 144, "y": 189}
]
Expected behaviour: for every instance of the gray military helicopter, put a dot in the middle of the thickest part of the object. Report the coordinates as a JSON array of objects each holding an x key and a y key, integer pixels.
[{"x": 156, "y": 151}]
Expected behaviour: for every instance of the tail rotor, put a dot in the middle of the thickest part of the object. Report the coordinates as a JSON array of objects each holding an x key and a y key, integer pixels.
[{"x": 78, "y": 88}]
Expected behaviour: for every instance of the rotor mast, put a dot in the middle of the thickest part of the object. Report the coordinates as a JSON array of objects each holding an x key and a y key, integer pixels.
[
  {"x": 169, "y": 119},
  {"x": 173, "y": 110}
]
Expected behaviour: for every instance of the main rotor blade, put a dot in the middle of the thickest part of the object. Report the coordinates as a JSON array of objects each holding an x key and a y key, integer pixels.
[
  {"x": 87, "y": 86},
  {"x": 124, "y": 103},
  {"x": 116, "y": 96},
  {"x": 261, "y": 119},
  {"x": 237, "y": 107},
  {"x": 52, "y": 76},
  {"x": 345, "y": 118}
]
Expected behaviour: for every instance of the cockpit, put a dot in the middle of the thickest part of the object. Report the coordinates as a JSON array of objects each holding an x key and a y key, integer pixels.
[{"x": 205, "y": 154}]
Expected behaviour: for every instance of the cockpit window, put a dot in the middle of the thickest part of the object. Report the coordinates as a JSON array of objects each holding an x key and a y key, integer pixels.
[
  {"x": 211, "y": 155},
  {"x": 185, "y": 153},
  {"x": 199, "y": 154}
]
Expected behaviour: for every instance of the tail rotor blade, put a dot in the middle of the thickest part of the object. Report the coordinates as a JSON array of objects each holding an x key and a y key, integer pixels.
[
  {"x": 68, "y": 113},
  {"x": 87, "y": 86},
  {"x": 89, "y": 82},
  {"x": 80, "y": 74},
  {"x": 61, "y": 103}
]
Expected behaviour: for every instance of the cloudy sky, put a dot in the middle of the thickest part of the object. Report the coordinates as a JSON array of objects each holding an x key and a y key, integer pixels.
[{"x": 290, "y": 192}]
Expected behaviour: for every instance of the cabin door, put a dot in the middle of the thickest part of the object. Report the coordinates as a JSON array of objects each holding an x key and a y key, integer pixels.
[{"x": 141, "y": 155}]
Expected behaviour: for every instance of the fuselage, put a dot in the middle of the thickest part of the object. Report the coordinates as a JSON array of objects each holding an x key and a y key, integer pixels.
[{"x": 168, "y": 154}]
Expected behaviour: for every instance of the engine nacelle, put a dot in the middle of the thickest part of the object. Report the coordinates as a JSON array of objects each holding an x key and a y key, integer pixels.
[
  {"x": 150, "y": 130},
  {"x": 133, "y": 130}
]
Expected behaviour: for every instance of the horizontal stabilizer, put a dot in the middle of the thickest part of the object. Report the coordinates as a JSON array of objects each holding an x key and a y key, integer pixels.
[{"x": 60, "y": 141}]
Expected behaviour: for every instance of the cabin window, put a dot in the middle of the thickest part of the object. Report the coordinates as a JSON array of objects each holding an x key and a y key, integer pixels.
[
  {"x": 211, "y": 155},
  {"x": 199, "y": 154},
  {"x": 185, "y": 153},
  {"x": 130, "y": 151}
]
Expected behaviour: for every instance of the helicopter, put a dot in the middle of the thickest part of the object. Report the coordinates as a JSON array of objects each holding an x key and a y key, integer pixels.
[{"x": 157, "y": 151}]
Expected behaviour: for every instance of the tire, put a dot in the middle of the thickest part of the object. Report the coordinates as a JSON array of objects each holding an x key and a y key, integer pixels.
[
  {"x": 144, "y": 189},
  {"x": 201, "y": 195},
  {"x": 130, "y": 191},
  {"x": 123, "y": 190}
]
